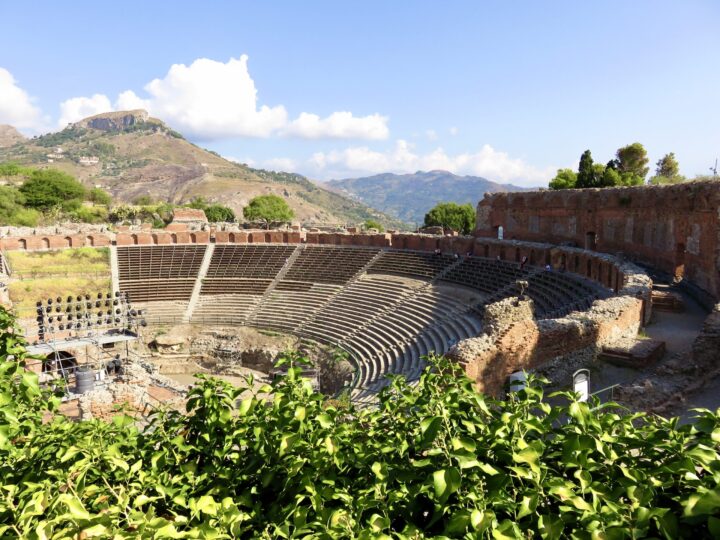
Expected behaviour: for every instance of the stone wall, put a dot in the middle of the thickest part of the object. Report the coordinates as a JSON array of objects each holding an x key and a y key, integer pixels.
[
  {"x": 706, "y": 347},
  {"x": 513, "y": 340},
  {"x": 672, "y": 228}
]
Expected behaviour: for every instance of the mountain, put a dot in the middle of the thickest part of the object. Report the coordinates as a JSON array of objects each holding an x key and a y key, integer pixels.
[
  {"x": 9, "y": 136},
  {"x": 130, "y": 154},
  {"x": 409, "y": 196}
]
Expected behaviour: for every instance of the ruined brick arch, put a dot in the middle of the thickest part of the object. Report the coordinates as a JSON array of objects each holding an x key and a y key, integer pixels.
[
  {"x": 67, "y": 241},
  {"x": 173, "y": 238},
  {"x": 231, "y": 237},
  {"x": 134, "y": 239},
  {"x": 193, "y": 238},
  {"x": 268, "y": 237},
  {"x": 45, "y": 242},
  {"x": 89, "y": 241},
  {"x": 22, "y": 243},
  {"x": 155, "y": 239}
]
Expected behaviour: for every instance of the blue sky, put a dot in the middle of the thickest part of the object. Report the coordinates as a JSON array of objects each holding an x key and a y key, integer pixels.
[{"x": 507, "y": 90}]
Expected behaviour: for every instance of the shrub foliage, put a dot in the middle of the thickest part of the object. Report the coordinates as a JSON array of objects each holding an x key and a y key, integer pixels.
[{"x": 436, "y": 459}]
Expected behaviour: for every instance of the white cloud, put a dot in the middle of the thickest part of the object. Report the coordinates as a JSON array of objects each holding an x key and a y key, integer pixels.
[
  {"x": 431, "y": 135},
  {"x": 453, "y": 131},
  {"x": 279, "y": 164},
  {"x": 129, "y": 100},
  {"x": 212, "y": 100},
  {"x": 486, "y": 162},
  {"x": 16, "y": 106},
  {"x": 339, "y": 125},
  {"x": 77, "y": 108}
]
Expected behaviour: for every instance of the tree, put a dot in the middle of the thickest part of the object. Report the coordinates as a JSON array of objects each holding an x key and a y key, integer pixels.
[
  {"x": 143, "y": 200},
  {"x": 217, "y": 213},
  {"x": 449, "y": 215},
  {"x": 667, "y": 171},
  {"x": 586, "y": 171},
  {"x": 564, "y": 179},
  {"x": 610, "y": 177},
  {"x": 373, "y": 224},
  {"x": 632, "y": 159},
  {"x": 13, "y": 211},
  {"x": 668, "y": 166},
  {"x": 99, "y": 196},
  {"x": 268, "y": 209},
  {"x": 49, "y": 187}
]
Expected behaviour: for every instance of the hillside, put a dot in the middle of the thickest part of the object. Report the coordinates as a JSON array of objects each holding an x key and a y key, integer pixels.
[
  {"x": 130, "y": 154},
  {"x": 409, "y": 196}
]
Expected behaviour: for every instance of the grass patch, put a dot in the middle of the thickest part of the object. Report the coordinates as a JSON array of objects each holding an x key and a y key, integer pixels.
[
  {"x": 63, "y": 262},
  {"x": 25, "y": 293}
]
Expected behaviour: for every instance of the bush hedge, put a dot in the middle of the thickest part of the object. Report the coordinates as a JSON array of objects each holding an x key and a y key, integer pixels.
[{"x": 436, "y": 459}]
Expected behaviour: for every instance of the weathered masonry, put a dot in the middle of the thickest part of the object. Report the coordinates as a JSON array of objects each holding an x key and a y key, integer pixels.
[{"x": 673, "y": 228}]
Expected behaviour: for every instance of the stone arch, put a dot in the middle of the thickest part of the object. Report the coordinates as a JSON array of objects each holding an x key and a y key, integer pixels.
[
  {"x": 22, "y": 243},
  {"x": 89, "y": 241},
  {"x": 134, "y": 239},
  {"x": 155, "y": 239},
  {"x": 67, "y": 241},
  {"x": 173, "y": 238},
  {"x": 45, "y": 242},
  {"x": 193, "y": 238},
  {"x": 231, "y": 237},
  {"x": 62, "y": 363}
]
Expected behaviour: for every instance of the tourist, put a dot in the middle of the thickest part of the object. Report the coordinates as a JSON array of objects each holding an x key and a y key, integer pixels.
[
  {"x": 548, "y": 268},
  {"x": 523, "y": 262}
]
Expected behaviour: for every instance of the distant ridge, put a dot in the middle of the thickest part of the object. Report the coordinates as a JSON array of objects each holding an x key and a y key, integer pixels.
[{"x": 408, "y": 197}]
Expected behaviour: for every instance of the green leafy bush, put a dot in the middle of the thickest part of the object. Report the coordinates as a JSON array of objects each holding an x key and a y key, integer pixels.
[
  {"x": 432, "y": 460},
  {"x": 99, "y": 196},
  {"x": 90, "y": 214},
  {"x": 268, "y": 209},
  {"x": 450, "y": 215},
  {"x": 46, "y": 188},
  {"x": 13, "y": 211},
  {"x": 373, "y": 224}
]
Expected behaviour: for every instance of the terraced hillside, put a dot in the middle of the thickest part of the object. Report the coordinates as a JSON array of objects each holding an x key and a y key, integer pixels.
[{"x": 130, "y": 155}]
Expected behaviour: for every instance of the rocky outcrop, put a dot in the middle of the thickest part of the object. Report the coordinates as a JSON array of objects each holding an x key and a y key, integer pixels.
[{"x": 114, "y": 121}]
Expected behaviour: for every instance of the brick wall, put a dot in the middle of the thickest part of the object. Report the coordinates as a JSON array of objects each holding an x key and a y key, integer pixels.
[{"x": 673, "y": 228}]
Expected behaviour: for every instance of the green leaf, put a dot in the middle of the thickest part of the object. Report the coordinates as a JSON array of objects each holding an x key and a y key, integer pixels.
[
  {"x": 446, "y": 482},
  {"x": 550, "y": 527},
  {"x": 380, "y": 470},
  {"x": 207, "y": 505},
  {"x": 527, "y": 506},
  {"x": 429, "y": 428},
  {"x": 75, "y": 507},
  {"x": 325, "y": 421}
]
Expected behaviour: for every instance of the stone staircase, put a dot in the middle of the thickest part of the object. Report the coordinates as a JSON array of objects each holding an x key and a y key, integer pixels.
[{"x": 209, "y": 250}]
